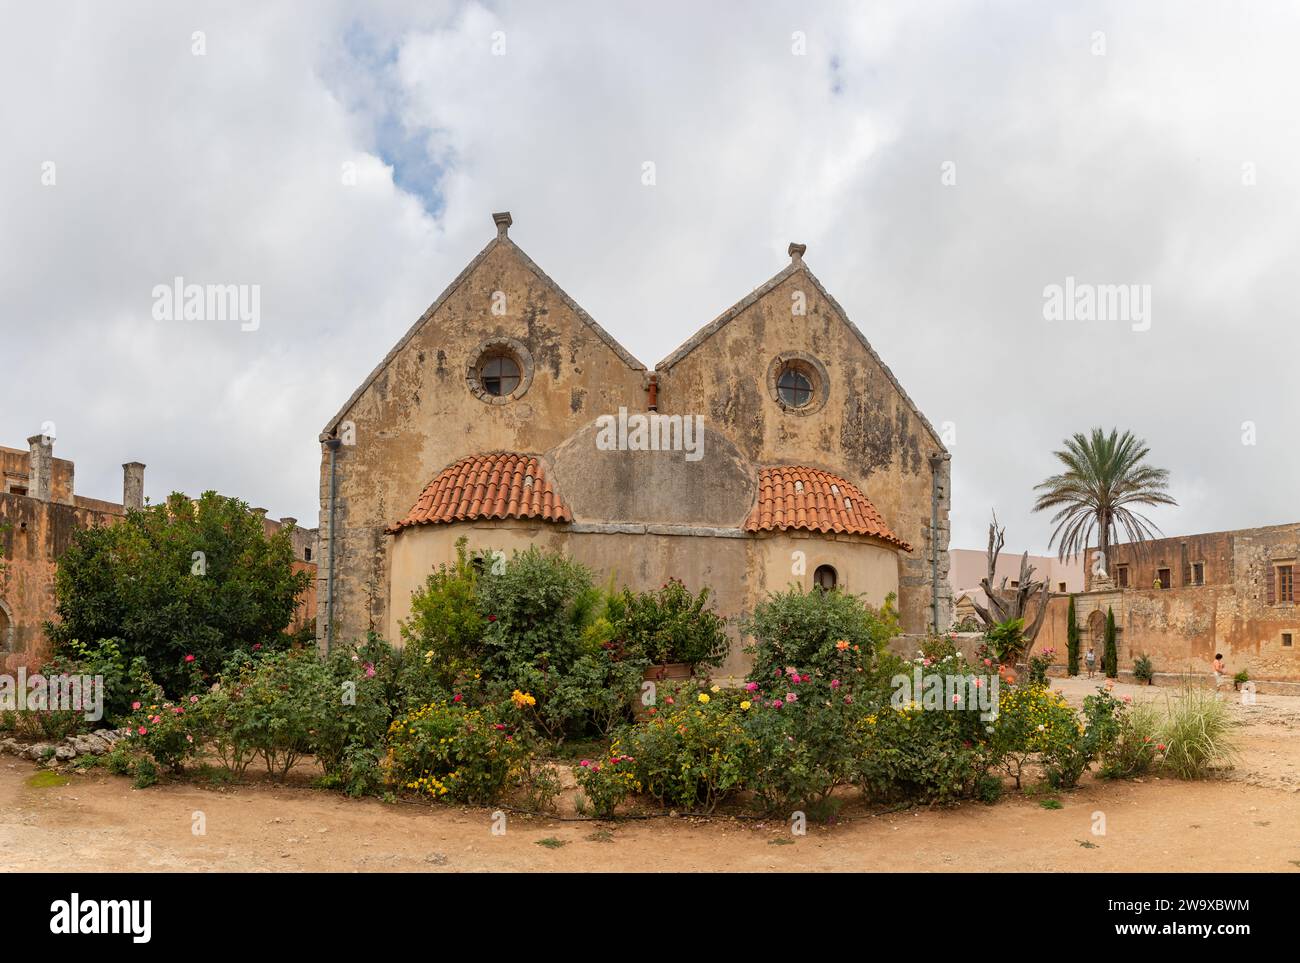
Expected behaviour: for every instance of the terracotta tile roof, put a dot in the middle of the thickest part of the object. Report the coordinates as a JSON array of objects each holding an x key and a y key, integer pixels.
[
  {"x": 498, "y": 485},
  {"x": 792, "y": 496}
]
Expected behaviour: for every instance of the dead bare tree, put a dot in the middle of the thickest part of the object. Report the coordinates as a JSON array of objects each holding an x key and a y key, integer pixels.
[{"x": 1004, "y": 603}]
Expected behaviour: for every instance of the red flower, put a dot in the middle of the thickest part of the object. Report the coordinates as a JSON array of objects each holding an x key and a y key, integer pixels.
[
  {"x": 492, "y": 618},
  {"x": 189, "y": 658},
  {"x": 456, "y": 697}
]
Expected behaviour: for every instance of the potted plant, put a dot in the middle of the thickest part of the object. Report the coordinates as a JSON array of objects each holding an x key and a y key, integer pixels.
[
  {"x": 1239, "y": 678},
  {"x": 674, "y": 630},
  {"x": 1006, "y": 641},
  {"x": 1143, "y": 669}
]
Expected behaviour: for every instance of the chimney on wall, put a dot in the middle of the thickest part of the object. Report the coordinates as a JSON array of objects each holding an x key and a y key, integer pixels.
[
  {"x": 796, "y": 252},
  {"x": 42, "y": 467},
  {"x": 133, "y": 486},
  {"x": 503, "y": 221}
]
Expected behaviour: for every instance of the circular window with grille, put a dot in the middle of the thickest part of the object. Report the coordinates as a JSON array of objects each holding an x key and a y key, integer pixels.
[
  {"x": 798, "y": 383},
  {"x": 500, "y": 370}
]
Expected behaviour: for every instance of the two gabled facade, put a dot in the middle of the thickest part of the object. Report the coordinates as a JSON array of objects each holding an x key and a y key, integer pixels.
[{"x": 773, "y": 447}]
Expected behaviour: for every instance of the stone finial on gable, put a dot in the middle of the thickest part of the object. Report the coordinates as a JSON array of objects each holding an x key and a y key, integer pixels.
[
  {"x": 796, "y": 251},
  {"x": 503, "y": 220}
]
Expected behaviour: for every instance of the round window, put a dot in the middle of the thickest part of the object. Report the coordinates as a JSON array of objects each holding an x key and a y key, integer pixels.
[
  {"x": 499, "y": 370},
  {"x": 499, "y": 375},
  {"x": 798, "y": 382},
  {"x": 794, "y": 387}
]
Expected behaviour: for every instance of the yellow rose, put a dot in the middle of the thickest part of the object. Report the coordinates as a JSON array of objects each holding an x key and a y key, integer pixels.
[
  {"x": 704, "y": 697},
  {"x": 746, "y": 704}
]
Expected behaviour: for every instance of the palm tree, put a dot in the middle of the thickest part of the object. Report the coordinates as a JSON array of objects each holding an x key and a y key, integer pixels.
[{"x": 1104, "y": 475}]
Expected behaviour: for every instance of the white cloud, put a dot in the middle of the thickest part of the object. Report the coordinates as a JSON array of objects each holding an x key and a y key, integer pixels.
[{"x": 1124, "y": 169}]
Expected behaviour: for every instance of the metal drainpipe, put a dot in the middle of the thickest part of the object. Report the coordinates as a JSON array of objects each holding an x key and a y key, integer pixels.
[{"x": 333, "y": 445}]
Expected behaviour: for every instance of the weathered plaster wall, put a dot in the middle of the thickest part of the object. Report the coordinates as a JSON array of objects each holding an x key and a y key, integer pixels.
[
  {"x": 739, "y": 569},
  {"x": 866, "y": 430},
  {"x": 418, "y": 416},
  {"x": 1182, "y": 628},
  {"x": 35, "y": 535}
]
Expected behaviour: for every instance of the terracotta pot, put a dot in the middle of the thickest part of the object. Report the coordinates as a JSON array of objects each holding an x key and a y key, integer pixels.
[
  {"x": 672, "y": 671},
  {"x": 667, "y": 672}
]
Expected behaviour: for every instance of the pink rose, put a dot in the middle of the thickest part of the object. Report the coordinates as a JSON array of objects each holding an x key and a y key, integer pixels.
[
  {"x": 135, "y": 705},
  {"x": 835, "y": 683},
  {"x": 142, "y": 730},
  {"x": 751, "y": 687},
  {"x": 189, "y": 658}
]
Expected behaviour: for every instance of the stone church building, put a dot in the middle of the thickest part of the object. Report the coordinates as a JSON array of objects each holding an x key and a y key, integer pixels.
[{"x": 773, "y": 447}]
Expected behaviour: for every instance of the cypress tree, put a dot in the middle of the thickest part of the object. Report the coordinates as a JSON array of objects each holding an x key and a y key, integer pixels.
[
  {"x": 1072, "y": 640},
  {"x": 1111, "y": 661}
]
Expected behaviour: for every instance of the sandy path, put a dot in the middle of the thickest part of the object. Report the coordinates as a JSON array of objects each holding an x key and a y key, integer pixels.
[{"x": 1250, "y": 821}]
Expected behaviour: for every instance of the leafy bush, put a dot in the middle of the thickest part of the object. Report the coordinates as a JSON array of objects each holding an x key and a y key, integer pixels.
[
  {"x": 672, "y": 625},
  {"x": 827, "y": 634},
  {"x": 444, "y": 633},
  {"x": 1006, "y": 641},
  {"x": 199, "y": 577},
  {"x": 937, "y": 754},
  {"x": 799, "y": 733},
  {"x": 1039, "y": 662},
  {"x": 1143, "y": 669},
  {"x": 1133, "y": 744},
  {"x": 693, "y": 750},
  {"x": 166, "y": 731},
  {"x": 607, "y": 782},
  {"x": 1194, "y": 735},
  {"x": 448, "y": 750},
  {"x": 1034, "y": 723},
  {"x": 279, "y": 706}
]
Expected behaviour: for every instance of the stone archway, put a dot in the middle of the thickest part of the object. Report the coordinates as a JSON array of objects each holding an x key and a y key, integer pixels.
[
  {"x": 1097, "y": 631},
  {"x": 6, "y": 629}
]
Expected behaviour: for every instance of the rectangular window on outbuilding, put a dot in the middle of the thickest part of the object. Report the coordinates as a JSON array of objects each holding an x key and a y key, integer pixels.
[{"x": 1284, "y": 579}]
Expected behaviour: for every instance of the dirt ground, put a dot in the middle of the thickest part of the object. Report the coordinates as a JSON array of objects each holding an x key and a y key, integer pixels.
[{"x": 1248, "y": 820}]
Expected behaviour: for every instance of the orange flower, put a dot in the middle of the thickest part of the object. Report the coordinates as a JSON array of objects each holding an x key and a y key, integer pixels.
[{"x": 842, "y": 644}]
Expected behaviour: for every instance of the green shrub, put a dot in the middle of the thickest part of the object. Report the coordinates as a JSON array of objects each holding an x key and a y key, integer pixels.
[
  {"x": 444, "y": 634},
  {"x": 169, "y": 733},
  {"x": 672, "y": 625},
  {"x": 607, "y": 782},
  {"x": 934, "y": 754},
  {"x": 1134, "y": 747},
  {"x": 1039, "y": 662},
  {"x": 1036, "y": 724},
  {"x": 692, "y": 752},
  {"x": 198, "y": 577},
  {"x": 1006, "y": 641},
  {"x": 448, "y": 750},
  {"x": 279, "y": 706},
  {"x": 799, "y": 733},
  {"x": 1143, "y": 669},
  {"x": 1195, "y": 734},
  {"x": 825, "y": 634}
]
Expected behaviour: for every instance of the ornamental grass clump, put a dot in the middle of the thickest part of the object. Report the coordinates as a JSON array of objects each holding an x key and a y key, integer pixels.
[{"x": 1196, "y": 734}]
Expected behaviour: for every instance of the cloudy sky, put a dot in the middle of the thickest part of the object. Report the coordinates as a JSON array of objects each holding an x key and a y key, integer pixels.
[{"x": 944, "y": 162}]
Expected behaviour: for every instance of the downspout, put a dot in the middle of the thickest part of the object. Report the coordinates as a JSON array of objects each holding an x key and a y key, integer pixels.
[
  {"x": 332, "y": 444},
  {"x": 936, "y": 496}
]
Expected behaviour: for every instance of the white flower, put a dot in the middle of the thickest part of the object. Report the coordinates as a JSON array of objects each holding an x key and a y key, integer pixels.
[{"x": 1042, "y": 728}]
